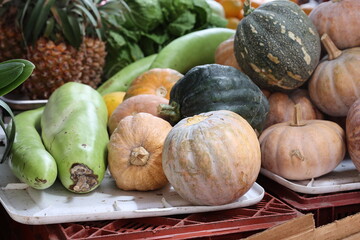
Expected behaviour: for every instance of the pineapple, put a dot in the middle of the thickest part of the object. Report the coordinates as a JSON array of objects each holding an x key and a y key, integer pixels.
[
  {"x": 63, "y": 38},
  {"x": 10, "y": 36}
]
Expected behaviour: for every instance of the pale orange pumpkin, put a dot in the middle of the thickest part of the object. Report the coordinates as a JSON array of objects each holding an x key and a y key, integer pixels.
[
  {"x": 147, "y": 103},
  {"x": 353, "y": 132},
  {"x": 135, "y": 152},
  {"x": 156, "y": 81},
  {"x": 302, "y": 149},
  {"x": 212, "y": 158},
  {"x": 339, "y": 19},
  {"x": 224, "y": 54},
  {"x": 282, "y": 107},
  {"x": 335, "y": 83}
]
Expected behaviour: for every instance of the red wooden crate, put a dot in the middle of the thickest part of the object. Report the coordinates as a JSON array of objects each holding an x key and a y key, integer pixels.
[
  {"x": 225, "y": 224},
  {"x": 325, "y": 207}
]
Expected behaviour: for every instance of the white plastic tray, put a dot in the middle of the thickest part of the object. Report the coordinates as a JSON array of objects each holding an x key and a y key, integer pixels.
[
  {"x": 344, "y": 177},
  {"x": 58, "y": 205}
]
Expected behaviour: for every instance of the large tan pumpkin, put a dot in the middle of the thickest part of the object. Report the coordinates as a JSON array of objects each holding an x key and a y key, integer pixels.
[
  {"x": 282, "y": 107},
  {"x": 353, "y": 132},
  {"x": 302, "y": 149},
  {"x": 335, "y": 83},
  {"x": 135, "y": 152},
  {"x": 212, "y": 158},
  {"x": 340, "y": 20}
]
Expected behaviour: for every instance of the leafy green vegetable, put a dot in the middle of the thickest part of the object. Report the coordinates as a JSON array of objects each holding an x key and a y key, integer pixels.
[{"x": 143, "y": 27}]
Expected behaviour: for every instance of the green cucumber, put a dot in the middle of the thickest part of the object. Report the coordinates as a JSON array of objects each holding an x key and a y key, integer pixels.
[
  {"x": 122, "y": 79},
  {"x": 192, "y": 49},
  {"x": 29, "y": 161},
  {"x": 74, "y": 131}
]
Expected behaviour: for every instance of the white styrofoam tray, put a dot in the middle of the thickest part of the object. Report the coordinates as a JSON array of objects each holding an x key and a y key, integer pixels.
[
  {"x": 58, "y": 205},
  {"x": 345, "y": 177}
]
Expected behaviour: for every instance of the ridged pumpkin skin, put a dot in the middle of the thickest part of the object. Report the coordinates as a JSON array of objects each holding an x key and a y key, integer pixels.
[
  {"x": 352, "y": 133},
  {"x": 302, "y": 152},
  {"x": 156, "y": 81},
  {"x": 335, "y": 84},
  {"x": 340, "y": 20},
  {"x": 277, "y": 46},
  {"x": 282, "y": 107},
  {"x": 213, "y": 87},
  {"x": 135, "y": 152},
  {"x": 212, "y": 158},
  {"x": 140, "y": 103}
]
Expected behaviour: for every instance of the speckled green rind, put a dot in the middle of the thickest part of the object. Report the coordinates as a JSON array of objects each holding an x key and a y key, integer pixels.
[
  {"x": 213, "y": 87},
  {"x": 277, "y": 46}
]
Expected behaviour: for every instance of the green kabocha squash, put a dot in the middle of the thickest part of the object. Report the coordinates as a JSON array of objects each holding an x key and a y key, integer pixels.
[
  {"x": 277, "y": 45},
  {"x": 212, "y": 87}
]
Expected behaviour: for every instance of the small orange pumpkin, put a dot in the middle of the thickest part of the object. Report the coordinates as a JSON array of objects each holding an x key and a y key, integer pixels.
[
  {"x": 224, "y": 54},
  {"x": 156, "y": 81},
  {"x": 282, "y": 107},
  {"x": 140, "y": 103},
  {"x": 302, "y": 149},
  {"x": 334, "y": 85},
  {"x": 135, "y": 152}
]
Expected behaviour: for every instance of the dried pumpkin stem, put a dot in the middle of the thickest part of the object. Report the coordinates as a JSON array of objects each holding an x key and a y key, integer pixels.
[
  {"x": 331, "y": 49},
  {"x": 139, "y": 156},
  {"x": 247, "y": 7},
  {"x": 170, "y": 110},
  {"x": 161, "y": 91},
  {"x": 297, "y": 120}
]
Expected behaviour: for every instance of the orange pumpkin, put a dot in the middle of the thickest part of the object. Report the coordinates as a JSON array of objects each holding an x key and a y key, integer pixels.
[
  {"x": 302, "y": 149},
  {"x": 352, "y": 133},
  {"x": 135, "y": 152},
  {"x": 224, "y": 54},
  {"x": 335, "y": 83},
  {"x": 339, "y": 19},
  {"x": 282, "y": 107},
  {"x": 140, "y": 103},
  {"x": 156, "y": 81}
]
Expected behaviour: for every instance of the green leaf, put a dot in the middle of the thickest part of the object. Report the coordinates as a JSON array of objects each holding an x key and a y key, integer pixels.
[
  {"x": 10, "y": 71},
  {"x": 28, "y": 68},
  {"x": 67, "y": 29},
  {"x": 9, "y": 131}
]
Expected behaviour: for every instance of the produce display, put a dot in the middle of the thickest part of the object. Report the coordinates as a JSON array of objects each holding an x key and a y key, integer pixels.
[
  {"x": 202, "y": 110},
  {"x": 352, "y": 133}
]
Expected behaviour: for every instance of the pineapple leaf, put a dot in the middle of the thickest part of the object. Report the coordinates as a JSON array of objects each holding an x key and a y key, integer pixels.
[
  {"x": 31, "y": 22},
  {"x": 42, "y": 18},
  {"x": 94, "y": 9},
  {"x": 88, "y": 14},
  {"x": 9, "y": 132},
  {"x": 76, "y": 29},
  {"x": 50, "y": 24},
  {"x": 63, "y": 20}
]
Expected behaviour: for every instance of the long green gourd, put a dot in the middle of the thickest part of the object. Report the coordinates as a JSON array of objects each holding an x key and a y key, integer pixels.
[{"x": 74, "y": 131}]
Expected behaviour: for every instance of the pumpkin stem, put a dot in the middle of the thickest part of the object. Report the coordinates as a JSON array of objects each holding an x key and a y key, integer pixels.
[
  {"x": 161, "y": 91},
  {"x": 297, "y": 117},
  {"x": 139, "y": 156},
  {"x": 170, "y": 110},
  {"x": 247, "y": 8},
  {"x": 332, "y": 50}
]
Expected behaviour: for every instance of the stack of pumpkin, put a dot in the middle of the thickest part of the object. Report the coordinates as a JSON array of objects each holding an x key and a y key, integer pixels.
[{"x": 270, "y": 100}]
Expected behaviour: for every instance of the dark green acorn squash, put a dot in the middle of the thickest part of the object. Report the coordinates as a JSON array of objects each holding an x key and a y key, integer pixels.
[
  {"x": 277, "y": 45},
  {"x": 213, "y": 87}
]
